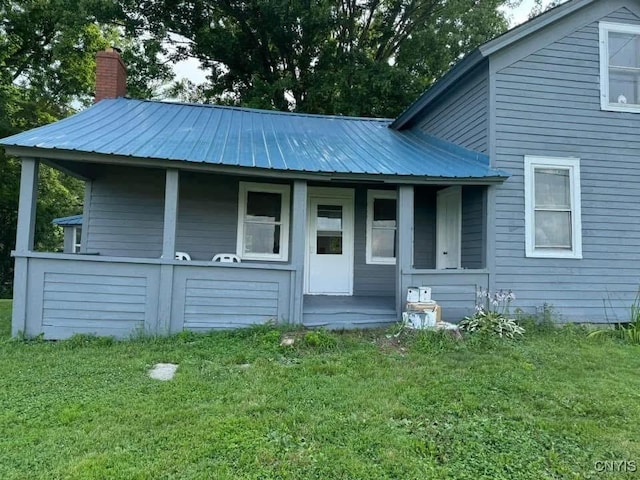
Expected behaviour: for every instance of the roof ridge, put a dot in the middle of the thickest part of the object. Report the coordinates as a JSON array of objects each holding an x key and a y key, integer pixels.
[{"x": 256, "y": 110}]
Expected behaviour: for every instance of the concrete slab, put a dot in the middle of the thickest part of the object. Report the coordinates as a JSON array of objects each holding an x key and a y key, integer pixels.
[{"x": 163, "y": 371}]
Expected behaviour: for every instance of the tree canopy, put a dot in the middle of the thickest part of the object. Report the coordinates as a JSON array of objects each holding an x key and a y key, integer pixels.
[
  {"x": 352, "y": 57},
  {"x": 47, "y": 70}
]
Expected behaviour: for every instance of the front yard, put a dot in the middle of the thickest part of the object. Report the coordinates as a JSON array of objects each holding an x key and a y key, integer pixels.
[{"x": 348, "y": 406}]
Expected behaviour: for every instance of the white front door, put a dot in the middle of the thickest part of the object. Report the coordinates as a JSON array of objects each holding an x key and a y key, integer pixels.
[
  {"x": 448, "y": 227},
  {"x": 329, "y": 262}
]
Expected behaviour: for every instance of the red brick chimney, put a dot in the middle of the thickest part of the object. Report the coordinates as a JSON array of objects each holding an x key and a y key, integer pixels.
[{"x": 111, "y": 75}]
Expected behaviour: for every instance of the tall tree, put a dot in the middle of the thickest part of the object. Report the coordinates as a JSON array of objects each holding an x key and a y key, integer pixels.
[
  {"x": 541, "y": 6},
  {"x": 357, "y": 57},
  {"x": 47, "y": 70}
]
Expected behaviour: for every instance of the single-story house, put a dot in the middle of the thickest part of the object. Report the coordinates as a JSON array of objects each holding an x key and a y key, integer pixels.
[
  {"x": 516, "y": 170},
  {"x": 72, "y": 230}
]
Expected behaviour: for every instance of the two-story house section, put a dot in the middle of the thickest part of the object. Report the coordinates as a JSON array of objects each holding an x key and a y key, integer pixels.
[{"x": 556, "y": 103}]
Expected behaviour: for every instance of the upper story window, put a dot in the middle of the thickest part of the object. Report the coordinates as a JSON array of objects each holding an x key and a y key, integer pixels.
[
  {"x": 263, "y": 221},
  {"x": 381, "y": 226},
  {"x": 553, "y": 227},
  {"x": 620, "y": 67}
]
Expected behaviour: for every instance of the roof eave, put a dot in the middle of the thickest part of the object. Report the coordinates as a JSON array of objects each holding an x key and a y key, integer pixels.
[
  {"x": 532, "y": 26},
  {"x": 495, "y": 177}
]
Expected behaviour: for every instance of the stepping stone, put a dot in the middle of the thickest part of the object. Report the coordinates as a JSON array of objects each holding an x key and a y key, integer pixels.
[{"x": 163, "y": 371}]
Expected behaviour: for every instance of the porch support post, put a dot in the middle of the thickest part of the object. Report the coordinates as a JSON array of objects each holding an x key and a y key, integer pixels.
[
  {"x": 165, "y": 289},
  {"x": 404, "y": 247},
  {"x": 490, "y": 236},
  {"x": 24, "y": 242},
  {"x": 86, "y": 215},
  {"x": 27, "y": 205},
  {"x": 170, "y": 214},
  {"x": 298, "y": 247}
]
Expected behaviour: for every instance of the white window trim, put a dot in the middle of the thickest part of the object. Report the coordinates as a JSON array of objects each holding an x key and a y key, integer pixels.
[
  {"x": 75, "y": 247},
  {"x": 285, "y": 191},
  {"x": 605, "y": 28},
  {"x": 371, "y": 196},
  {"x": 573, "y": 166}
]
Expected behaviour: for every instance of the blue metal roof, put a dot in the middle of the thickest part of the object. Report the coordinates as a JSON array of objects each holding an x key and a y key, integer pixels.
[
  {"x": 72, "y": 221},
  {"x": 255, "y": 138}
]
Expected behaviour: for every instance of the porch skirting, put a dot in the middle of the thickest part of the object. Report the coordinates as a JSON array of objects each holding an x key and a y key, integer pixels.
[
  {"x": 68, "y": 294},
  {"x": 59, "y": 295},
  {"x": 335, "y": 312}
]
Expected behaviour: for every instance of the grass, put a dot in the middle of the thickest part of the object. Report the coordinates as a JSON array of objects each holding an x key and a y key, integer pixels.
[{"x": 348, "y": 406}]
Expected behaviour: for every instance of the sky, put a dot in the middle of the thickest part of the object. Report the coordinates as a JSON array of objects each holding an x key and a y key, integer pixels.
[{"x": 191, "y": 68}]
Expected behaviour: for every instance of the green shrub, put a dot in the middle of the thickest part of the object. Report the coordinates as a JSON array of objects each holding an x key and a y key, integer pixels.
[
  {"x": 492, "y": 316},
  {"x": 320, "y": 339}
]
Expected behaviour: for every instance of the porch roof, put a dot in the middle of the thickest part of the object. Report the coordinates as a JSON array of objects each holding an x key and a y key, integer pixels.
[
  {"x": 71, "y": 221},
  {"x": 264, "y": 139}
]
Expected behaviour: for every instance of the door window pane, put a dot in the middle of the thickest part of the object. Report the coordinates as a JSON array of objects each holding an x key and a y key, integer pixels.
[
  {"x": 329, "y": 230},
  {"x": 329, "y": 245}
]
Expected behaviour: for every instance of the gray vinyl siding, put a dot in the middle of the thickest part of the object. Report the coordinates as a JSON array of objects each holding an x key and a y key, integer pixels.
[
  {"x": 126, "y": 213},
  {"x": 207, "y": 215},
  {"x": 461, "y": 116},
  {"x": 424, "y": 230},
  {"x": 117, "y": 304},
  {"x": 96, "y": 295},
  {"x": 548, "y": 104},
  {"x": 229, "y": 297},
  {"x": 102, "y": 298},
  {"x": 369, "y": 279},
  {"x": 473, "y": 233},
  {"x": 454, "y": 290},
  {"x": 127, "y": 221}
]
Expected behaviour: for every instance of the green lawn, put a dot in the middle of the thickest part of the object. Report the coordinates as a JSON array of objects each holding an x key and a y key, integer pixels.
[{"x": 240, "y": 406}]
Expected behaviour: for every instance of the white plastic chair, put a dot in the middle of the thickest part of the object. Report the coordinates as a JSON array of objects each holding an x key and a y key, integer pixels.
[
  {"x": 226, "y": 258},
  {"x": 183, "y": 256}
]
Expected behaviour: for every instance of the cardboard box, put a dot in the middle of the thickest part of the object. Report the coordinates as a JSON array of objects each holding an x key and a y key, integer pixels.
[{"x": 422, "y": 315}]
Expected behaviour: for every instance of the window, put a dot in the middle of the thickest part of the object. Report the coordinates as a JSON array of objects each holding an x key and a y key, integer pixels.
[
  {"x": 263, "y": 221},
  {"x": 329, "y": 230},
  {"x": 77, "y": 235},
  {"x": 552, "y": 207},
  {"x": 620, "y": 67},
  {"x": 381, "y": 227}
]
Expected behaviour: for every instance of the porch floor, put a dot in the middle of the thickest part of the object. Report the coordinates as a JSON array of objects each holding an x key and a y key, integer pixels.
[{"x": 348, "y": 312}]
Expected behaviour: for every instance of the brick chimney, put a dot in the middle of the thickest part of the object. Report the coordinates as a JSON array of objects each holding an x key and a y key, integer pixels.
[{"x": 111, "y": 75}]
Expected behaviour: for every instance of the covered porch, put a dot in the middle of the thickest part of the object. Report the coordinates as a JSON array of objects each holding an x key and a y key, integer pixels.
[
  {"x": 126, "y": 279},
  {"x": 332, "y": 218}
]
